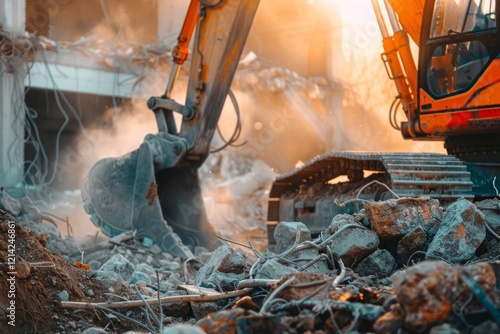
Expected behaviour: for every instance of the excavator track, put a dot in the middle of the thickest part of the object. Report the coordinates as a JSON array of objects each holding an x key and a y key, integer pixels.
[{"x": 304, "y": 194}]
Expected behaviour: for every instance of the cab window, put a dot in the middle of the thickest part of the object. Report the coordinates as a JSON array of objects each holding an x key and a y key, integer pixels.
[{"x": 462, "y": 16}]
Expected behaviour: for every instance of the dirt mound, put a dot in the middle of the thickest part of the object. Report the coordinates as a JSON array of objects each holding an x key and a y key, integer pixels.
[{"x": 34, "y": 280}]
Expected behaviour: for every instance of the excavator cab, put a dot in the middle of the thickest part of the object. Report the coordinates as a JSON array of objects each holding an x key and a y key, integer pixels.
[{"x": 155, "y": 189}]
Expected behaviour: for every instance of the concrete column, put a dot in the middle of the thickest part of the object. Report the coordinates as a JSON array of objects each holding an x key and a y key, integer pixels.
[{"x": 12, "y": 117}]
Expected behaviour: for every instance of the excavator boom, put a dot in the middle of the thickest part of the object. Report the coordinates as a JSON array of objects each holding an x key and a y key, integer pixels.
[{"x": 155, "y": 189}]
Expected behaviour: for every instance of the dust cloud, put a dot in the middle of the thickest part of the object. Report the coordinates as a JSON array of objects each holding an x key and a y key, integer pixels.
[{"x": 285, "y": 119}]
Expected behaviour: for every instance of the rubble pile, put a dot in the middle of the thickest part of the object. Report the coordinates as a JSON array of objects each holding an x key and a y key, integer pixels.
[{"x": 404, "y": 265}]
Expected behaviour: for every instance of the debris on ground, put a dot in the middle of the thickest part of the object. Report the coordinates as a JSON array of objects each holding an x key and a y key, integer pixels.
[{"x": 403, "y": 265}]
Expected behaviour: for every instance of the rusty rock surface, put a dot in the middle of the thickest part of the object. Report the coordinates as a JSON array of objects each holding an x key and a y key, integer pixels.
[
  {"x": 460, "y": 233},
  {"x": 429, "y": 291},
  {"x": 423, "y": 293},
  {"x": 394, "y": 218}
]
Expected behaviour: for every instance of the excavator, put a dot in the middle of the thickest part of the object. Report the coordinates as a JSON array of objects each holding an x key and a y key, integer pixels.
[{"x": 450, "y": 94}]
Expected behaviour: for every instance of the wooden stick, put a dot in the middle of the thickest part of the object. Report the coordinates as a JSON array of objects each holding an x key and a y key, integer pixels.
[{"x": 169, "y": 299}]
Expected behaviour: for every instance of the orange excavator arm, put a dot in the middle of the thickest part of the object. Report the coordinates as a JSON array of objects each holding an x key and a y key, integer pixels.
[
  {"x": 181, "y": 50},
  {"x": 404, "y": 18},
  {"x": 164, "y": 117},
  {"x": 410, "y": 13}
]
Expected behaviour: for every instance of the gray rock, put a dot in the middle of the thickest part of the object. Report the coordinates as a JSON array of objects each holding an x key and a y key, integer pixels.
[
  {"x": 119, "y": 265},
  {"x": 352, "y": 244},
  {"x": 272, "y": 269},
  {"x": 380, "y": 263},
  {"x": 140, "y": 276},
  {"x": 145, "y": 268},
  {"x": 63, "y": 295},
  {"x": 183, "y": 329},
  {"x": 224, "y": 267},
  {"x": 460, "y": 233},
  {"x": 414, "y": 241},
  {"x": 491, "y": 211},
  {"x": 174, "y": 265},
  {"x": 394, "y": 218},
  {"x": 94, "y": 330},
  {"x": 338, "y": 222},
  {"x": 285, "y": 235},
  {"x": 109, "y": 279}
]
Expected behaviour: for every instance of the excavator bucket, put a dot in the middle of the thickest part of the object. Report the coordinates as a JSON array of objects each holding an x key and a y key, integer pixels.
[
  {"x": 155, "y": 190},
  {"x": 121, "y": 195},
  {"x": 183, "y": 207}
]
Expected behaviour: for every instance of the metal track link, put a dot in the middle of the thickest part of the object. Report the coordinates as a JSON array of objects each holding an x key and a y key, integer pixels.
[
  {"x": 434, "y": 175},
  {"x": 420, "y": 174}
]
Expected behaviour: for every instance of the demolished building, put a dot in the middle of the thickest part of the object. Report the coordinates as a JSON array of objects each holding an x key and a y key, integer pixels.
[{"x": 340, "y": 262}]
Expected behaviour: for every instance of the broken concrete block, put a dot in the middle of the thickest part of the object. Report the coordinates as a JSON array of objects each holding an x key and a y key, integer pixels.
[
  {"x": 63, "y": 295},
  {"x": 140, "y": 276},
  {"x": 94, "y": 330},
  {"x": 183, "y": 329},
  {"x": 300, "y": 279},
  {"x": 119, "y": 265},
  {"x": 394, "y": 218},
  {"x": 109, "y": 279},
  {"x": 414, "y": 241},
  {"x": 338, "y": 222},
  {"x": 224, "y": 267},
  {"x": 380, "y": 263},
  {"x": 201, "y": 309},
  {"x": 146, "y": 269},
  {"x": 353, "y": 244},
  {"x": 460, "y": 233},
  {"x": 272, "y": 269},
  {"x": 285, "y": 235},
  {"x": 423, "y": 292},
  {"x": 491, "y": 211}
]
